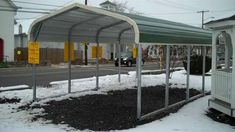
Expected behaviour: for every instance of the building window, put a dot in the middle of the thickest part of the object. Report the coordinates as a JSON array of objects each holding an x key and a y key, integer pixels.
[{"x": 224, "y": 52}]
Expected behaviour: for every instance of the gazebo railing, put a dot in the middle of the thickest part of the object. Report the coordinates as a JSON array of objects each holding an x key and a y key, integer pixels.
[{"x": 222, "y": 84}]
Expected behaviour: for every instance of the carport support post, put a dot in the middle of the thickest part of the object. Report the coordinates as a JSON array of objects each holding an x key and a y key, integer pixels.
[
  {"x": 119, "y": 62},
  {"x": 97, "y": 65},
  {"x": 97, "y": 50},
  {"x": 188, "y": 72},
  {"x": 119, "y": 52},
  {"x": 69, "y": 65},
  {"x": 167, "y": 75},
  {"x": 139, "y": 81},
  {"x": 203, "y": 69}
]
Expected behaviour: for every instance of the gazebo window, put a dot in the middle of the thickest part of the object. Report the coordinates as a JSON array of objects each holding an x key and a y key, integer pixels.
[{"x": 224, "y": 52}]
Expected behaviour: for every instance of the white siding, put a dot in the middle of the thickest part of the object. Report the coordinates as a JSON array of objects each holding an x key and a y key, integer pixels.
[{"x": 7, "y": 31}]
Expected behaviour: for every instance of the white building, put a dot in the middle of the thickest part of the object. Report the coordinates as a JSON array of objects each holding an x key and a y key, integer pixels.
[{"x": 7, "y": 13}]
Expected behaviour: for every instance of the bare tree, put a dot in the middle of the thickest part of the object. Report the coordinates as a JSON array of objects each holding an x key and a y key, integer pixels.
[{"x": 123, "y": 7}]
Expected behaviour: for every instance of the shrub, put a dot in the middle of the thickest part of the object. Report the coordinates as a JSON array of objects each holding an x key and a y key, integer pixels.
[{"x": 196, "y": 64}]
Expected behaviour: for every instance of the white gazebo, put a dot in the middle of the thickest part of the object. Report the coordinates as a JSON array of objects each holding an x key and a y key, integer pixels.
[{"x": 223, "y": 63}]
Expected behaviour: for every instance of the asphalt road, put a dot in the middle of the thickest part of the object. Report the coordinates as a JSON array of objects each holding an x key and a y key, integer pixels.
[{"x": 45, "y": 75}]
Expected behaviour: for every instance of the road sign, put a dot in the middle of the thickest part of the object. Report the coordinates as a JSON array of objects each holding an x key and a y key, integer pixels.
[
  {"x": 33, "y": 52},
  {"x": 66, "y": 51}
]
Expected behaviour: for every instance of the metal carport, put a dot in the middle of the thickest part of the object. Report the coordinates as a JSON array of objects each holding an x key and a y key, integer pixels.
[{"x": 79, "y": 23}]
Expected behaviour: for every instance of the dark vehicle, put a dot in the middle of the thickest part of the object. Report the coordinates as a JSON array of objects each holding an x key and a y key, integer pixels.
[{"x": 126, "y": 59}]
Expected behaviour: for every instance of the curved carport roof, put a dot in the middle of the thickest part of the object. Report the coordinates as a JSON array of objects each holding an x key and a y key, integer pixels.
[
  {"x": 79, "y": 23},
  {"x": 84, "y": 23}
]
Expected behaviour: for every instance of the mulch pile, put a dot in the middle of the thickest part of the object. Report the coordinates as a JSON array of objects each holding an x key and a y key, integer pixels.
[
  {"x": 114, "y": 111},
  {"x": 6, "y": 100}
]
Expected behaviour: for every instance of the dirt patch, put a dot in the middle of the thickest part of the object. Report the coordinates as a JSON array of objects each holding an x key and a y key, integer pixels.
[
  {"x": 220, "y": 117},
  {"x": 114, "y": 111},
  {"x": 6, "y": 100}
]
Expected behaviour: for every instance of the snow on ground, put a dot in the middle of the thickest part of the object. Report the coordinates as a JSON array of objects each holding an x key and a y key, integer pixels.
[
  {"x": 13, "y": 87},
  {"x": 107, "y": 83},
  {"x": 191, "y": 118},
  {"x": 187, "y": 119}
]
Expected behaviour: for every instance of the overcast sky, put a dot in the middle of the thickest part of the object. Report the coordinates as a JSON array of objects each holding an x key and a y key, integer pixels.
[{"x": 184, "y": 11}]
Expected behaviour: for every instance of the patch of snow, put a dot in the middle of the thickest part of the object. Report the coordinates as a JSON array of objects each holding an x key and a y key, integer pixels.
[
  {"x": 13, "y": 120},
  {"x": 190, "y": 118},
  {"x": 13, "y": 87}
]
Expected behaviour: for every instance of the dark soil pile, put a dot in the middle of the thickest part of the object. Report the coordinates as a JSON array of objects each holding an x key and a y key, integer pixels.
[
  {"x": 114, "y": 111},
  {"x": 220, "y": 117},
  {"x": 6, "y": 100}
]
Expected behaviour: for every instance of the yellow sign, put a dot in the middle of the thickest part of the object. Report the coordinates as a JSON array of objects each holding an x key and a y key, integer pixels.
[
  {"x": 66, "y": 51},
  {"x": 33, "y": 53},
  {"x": 94, "y": 52},
  {"x": 134, "y": 52}
]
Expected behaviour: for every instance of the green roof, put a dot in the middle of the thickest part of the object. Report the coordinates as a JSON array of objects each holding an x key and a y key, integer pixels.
[{"x": 157, "y": 30}]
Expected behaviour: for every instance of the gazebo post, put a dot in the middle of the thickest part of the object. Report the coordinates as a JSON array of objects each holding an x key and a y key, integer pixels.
[
  {"x": 139, "y": 81},
  {"x": 188, "y": 72},
  {"x": 203, "y": 69},
  {"x": 167, "y": 75}
]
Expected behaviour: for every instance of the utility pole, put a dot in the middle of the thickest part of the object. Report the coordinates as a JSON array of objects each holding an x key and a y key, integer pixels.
[
  {"x": 86, "y": 45},
  {"x": 203, "y": 12}
]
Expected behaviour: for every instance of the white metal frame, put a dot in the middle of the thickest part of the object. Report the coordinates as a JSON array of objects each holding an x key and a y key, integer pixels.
[
  {"x": 167, "y": 106},
  {"x": 133, "y": 26}
]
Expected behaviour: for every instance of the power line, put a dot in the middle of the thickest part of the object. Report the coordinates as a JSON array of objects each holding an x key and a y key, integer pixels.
[
  {"x": 173, "y": 5},
  {"x": 169, "y": 13},
  {"x": 180, "y": 4},
  {"x": 222, "y": 10},
  {"x": 25, "y": 11},
  {"x": 32, "y": 3},
  {"x": 37, "y": 12}
]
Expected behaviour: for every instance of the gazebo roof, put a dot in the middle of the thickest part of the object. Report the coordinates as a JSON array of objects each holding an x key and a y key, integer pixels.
[
  {"x": 92, "y": 24},
  {"x": 222, "y": 23},
  {"x": 223, "y": 19}
]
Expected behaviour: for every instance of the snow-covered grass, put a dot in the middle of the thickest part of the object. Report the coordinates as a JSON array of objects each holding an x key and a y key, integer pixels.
[
  {"x": 187, "y": 119},
  {"x": 191, "y": 118},
  {"x": 13, "y": 87}
]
